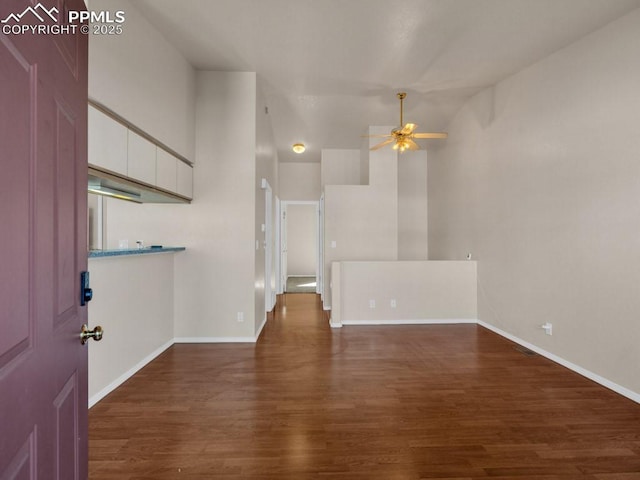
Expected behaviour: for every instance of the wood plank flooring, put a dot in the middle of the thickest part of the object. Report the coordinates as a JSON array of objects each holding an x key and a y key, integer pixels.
[{"x": 361, "y": 403}]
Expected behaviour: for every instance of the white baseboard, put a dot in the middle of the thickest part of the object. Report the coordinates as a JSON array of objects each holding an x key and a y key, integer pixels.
[
  {"x": 128, "y": 374},
  {"x": 426, "y": 321},
  {"x": 625, "y": 392},
  {"x": 335, "y": 325},
  {"x": 264, "y": 322},
  {"x": 215, "y": 340}
]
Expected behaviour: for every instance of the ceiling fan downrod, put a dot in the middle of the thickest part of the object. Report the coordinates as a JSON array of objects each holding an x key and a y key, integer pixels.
[{"x": 401, "y": 96}]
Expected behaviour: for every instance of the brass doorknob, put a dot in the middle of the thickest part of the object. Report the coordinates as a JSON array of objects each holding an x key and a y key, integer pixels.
[{"x": 86, "y": 334}]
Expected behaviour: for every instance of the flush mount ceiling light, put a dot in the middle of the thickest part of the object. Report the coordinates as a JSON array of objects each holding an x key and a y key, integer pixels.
[{"x": 298, "y": 147}]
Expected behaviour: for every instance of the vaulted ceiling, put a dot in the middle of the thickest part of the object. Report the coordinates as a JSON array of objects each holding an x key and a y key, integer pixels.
[{"x": 331, "y": 68}]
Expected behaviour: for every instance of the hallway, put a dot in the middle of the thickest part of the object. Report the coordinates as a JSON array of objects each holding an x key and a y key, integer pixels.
[{"x": 361, "y": 403}]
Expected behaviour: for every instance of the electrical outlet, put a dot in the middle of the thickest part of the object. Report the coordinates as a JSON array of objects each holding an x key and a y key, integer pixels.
[
  {"x": 241, "y": 316},
  {"x": 393, "y": 303},
  {"x": 548, "y": 328},
  {"x": 372, "y": 303}
]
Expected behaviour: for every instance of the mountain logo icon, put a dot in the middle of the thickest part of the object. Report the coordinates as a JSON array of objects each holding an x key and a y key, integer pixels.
[{"x": 40, "y": 12}]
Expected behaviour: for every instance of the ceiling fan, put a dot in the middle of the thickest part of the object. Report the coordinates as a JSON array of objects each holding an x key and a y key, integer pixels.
[{"x": 402, "y": 137}]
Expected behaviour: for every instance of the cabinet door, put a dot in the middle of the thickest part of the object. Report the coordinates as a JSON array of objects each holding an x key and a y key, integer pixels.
[
  {"x": 185, "y": 180},
  {"x": 107, "y": 142},
  {"x": 142, "y": 159},
  {"x": 166, "y": 170}
]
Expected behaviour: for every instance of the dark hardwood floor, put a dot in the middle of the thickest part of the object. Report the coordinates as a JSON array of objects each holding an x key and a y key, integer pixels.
[{"x": 361, "y": 403}]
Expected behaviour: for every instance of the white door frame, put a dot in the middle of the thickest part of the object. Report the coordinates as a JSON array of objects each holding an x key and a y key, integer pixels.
[
  {"x": 278, "y": 252},
  {"x": 282, "y": 246},
  {"x": 269, "y": 294},
  {"x": 320, "y": 277}
]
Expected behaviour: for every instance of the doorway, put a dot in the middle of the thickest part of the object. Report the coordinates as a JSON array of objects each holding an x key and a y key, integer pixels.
[{"x": 299, "y": 247}]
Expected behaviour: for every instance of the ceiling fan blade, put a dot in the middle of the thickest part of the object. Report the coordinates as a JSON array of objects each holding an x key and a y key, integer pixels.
[
  {"x": 430, "y": 135},
  {"x": 412, "y": 145},
  {"x": 375, "y": 136},
  {"x": 382, "y": 144},
  {"x": 408, "y": 129}
]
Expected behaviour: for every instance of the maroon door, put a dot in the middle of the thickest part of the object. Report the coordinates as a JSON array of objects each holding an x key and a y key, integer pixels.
[{"x": 43, "y": 172}]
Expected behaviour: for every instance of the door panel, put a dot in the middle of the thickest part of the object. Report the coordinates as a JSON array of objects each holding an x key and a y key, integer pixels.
[
  {"x": 23, "y": 465},
  {"x": 65, "y": 215},
  {"x": 69, "y": 46},
  {"x": 43, "y": 185},
  {"x": 66, "y": 408},
  {"x": 15, "y": 202}
]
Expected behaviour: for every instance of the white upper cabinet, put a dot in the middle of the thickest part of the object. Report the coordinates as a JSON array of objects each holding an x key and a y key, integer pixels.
[
  {"x": 141, "y": 159},
  {"x": 115, "y": 146},
  {"x": 166, "y": 171},
  {"x": 185, "y": 180},
  {"x": 107, "y": 142}
]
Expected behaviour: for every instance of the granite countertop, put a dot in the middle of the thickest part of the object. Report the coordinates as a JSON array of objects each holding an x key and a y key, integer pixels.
[{"x": 133, "y": 251}]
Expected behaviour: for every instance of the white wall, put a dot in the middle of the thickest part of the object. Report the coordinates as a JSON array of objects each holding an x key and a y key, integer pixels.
[
  {"x": 133, "y": 303},
  {"x": 151, "y": 224},
  {"x": 362, "y": 220},
  {"x": 217, "y": 280},
  {"x": 539, "y": 181},
  {"x": 413, "y": 237},
  {"x": 366, "y": 144},
  {"x": 299, "y": 181},
  {"x": 423, "y": 292},
  {"x": 143, "y": 78},
  {"x": 340, "y": 167},
  {"x": 302, "y": 226}
]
